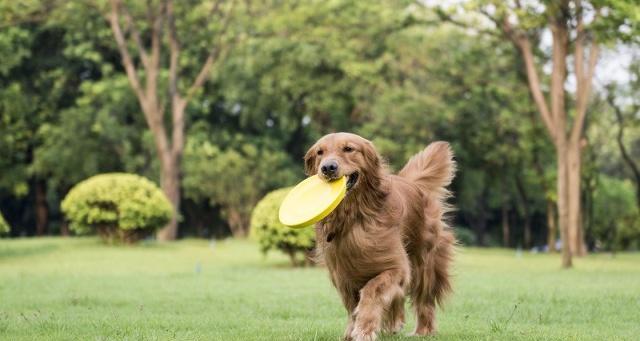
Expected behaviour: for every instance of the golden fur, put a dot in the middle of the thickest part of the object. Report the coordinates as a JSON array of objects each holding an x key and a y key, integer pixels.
[{"x": 387, "y": 239}]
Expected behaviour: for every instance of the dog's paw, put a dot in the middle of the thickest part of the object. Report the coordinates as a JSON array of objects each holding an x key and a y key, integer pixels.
[
  {"x": 347, "y": 333},
  {"x": 366, "y": 334},
  {"x": 423, "y": 332}
]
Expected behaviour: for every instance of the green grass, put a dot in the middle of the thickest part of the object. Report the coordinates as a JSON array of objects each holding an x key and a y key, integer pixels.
[{"x": 79, "y": 289}]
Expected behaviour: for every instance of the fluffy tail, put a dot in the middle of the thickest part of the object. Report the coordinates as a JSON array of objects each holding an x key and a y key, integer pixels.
[{"x": 432, "y": 169}]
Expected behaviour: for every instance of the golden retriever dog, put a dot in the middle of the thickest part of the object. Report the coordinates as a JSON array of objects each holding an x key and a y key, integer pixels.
[{"x": 387, "y": 238}]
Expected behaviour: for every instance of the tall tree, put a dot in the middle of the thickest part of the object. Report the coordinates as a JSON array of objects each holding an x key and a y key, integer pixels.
[
  {"x": 571, "y": 24},
  {"x": 148, "y": 40}
]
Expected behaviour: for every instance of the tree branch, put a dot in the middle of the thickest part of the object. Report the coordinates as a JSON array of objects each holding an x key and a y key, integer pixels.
[
  {"x": 584, "y": 78},
  {"x": 215, "y": 51},
  {"x": 174, "y": 49},
  {"x": 155, "y": 21},
  {"x": 623, "y": 150},
  {"x": 534, "y": 85},
  {"x": 127, "y": 61},
  {"x": 136, "y": 36},
  {"x": 147, "y": 100},
  {"x": 177, "y": 103},
  {"x": 558, "y": 116}
]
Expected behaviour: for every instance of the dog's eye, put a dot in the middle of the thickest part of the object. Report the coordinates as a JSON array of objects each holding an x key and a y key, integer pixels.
[
  {"x": 320, "y": 152},
  {"x": 347, "y": 149}
]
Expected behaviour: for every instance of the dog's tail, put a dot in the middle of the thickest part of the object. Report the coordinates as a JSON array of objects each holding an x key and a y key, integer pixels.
[{"x": 431, "y": 170}]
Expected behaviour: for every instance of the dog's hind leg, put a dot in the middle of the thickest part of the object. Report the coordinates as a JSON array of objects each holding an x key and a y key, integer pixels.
[
  {"x": 432, "y": 282},
  {"x": 426, "y": 318},
  {"x": 375, "y": 298}
]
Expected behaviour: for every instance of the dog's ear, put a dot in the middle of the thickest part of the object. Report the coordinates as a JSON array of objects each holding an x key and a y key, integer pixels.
[
  {"x": 310, "y": 161},
  {"x": 371, "y": 156}
]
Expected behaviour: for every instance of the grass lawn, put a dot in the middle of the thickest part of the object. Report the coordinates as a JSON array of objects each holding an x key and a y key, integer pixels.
[{"x": 79, "y": 289}]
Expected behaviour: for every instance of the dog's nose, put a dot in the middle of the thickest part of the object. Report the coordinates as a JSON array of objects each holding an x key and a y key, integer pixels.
[{"x": 329, "y": 168}]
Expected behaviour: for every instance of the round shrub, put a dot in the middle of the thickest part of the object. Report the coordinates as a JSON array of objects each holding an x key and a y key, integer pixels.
[
  {"x": 4, "y": 227},
  {"x": 117, "y": 206},
  {"x": 271, "y": 234}
]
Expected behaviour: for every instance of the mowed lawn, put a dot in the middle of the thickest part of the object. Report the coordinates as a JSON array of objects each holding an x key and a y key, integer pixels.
[{"x": 80, "y": 289}]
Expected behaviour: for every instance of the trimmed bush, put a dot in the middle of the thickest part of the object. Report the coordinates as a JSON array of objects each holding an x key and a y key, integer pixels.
[
  {"x": 4, "y": 227},
  {"x": 271, "y": 234},
  {"x": 117, "y": 206}
]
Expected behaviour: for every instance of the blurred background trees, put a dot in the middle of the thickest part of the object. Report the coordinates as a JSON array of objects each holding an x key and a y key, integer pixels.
[{"x": 401, "y": 73}]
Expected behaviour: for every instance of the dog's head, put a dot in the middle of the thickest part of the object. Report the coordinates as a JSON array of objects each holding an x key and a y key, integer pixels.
[{"x": 343, "y": 154}]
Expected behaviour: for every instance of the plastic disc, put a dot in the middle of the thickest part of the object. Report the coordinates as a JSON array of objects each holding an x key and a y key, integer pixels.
[{"x": 311, "y": 201}]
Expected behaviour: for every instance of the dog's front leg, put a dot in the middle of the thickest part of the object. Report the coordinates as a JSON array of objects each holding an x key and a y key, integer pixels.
[
  {"x": 350, "y": 301},
  {"x": 349, "y": 329},
  {"x": 376, "y": 296}
]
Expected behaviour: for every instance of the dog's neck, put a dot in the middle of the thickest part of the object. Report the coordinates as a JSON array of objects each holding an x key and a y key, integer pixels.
[{"x": 361, "y": 203}]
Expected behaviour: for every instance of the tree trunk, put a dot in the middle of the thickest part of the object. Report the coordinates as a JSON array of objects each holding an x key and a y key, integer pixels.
[
  {"x": 551, "y": 227},
  {"x": 576, "y": 238},
  {"x": 525, "y": 211},
  {"x": 480, "y": 226},
  {"x": 527, "y": 232},
  {"x": 64, "y": 229},
  {"x": 170, "y": 183},
  {"x": 42, "y": 207},
  {"x": 236, "y": 223},
  {"x": 563, "y": 204},
  {"x": 505, "y": 226}
]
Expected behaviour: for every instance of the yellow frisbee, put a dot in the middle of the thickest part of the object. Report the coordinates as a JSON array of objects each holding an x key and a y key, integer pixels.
[{"x": 311, "y": 201}]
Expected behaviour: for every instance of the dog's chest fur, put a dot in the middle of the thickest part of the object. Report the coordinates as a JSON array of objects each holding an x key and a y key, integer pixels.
[
  {"x": 359, "y": 255},
  {"x": 356, "y": 247}
]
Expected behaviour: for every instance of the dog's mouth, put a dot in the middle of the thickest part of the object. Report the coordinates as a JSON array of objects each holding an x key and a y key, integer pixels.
[{"x": 352, "y": 179}]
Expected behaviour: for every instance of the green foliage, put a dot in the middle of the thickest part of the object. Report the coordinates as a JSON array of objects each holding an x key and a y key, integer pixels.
[
  {"x": 104, "y": 117},
  {"x": 616, "y": 216},
  {"x": 4, "y": 227},
  {"x": 271, "y": 234},
  {"x": 464, "y": 236},
  {"x": 234, "y": 171},
  {"x": 116, "y": 205}
]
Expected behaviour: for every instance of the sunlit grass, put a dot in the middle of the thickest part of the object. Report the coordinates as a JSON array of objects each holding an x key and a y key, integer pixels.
[{"x": 79, "y": 289}]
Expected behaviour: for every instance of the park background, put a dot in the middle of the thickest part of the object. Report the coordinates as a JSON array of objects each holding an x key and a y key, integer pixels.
[{"x": 216, "y": 102}]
